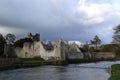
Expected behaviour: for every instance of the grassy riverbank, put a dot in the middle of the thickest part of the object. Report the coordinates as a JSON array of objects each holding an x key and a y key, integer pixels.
[
  {"x": 115, "y": 72},
  {"x": 13, "y": 63},
  {"x": 31, "y": 60}
]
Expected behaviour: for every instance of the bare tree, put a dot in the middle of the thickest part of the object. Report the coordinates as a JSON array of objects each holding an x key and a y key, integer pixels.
[{"x": 116, "y": 36}]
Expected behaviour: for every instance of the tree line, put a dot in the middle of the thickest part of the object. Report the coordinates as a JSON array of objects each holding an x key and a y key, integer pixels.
[
  {"x": 8, "y": 39},
  {"x": 114, "y": 46}
]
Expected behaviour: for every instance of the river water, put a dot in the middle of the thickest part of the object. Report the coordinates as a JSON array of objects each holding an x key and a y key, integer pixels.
[{"x": 90, "y": 71}]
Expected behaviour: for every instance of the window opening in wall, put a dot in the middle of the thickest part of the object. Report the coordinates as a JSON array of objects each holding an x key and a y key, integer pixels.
[{"x": 26, "y": 54}]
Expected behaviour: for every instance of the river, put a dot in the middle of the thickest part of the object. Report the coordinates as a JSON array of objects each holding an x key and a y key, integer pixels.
[{"x": 89, "y": 71}]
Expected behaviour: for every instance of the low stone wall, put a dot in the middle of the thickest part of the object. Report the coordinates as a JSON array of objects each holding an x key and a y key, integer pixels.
[
  {"x": 8, "y": 63},
  {"x": 75, "y": 55},
  {"x": 105, "y": 55},
  {"x": 13, "y": 63},
  {"x": 88, "y": 55}
]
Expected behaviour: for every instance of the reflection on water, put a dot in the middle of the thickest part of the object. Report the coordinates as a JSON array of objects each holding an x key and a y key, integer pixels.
[{"x": 71, "y": 72}]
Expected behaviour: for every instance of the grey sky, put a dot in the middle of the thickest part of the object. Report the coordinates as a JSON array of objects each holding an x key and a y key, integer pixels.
[{"x": 77, "y": 20}]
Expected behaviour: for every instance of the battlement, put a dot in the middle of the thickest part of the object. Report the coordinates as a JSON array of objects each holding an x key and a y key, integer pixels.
[{"x": 35, "y": 37}]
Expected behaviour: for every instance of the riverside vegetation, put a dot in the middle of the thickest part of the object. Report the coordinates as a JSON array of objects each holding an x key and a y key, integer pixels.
[
  {"x": 13, "y": 63},
  {"x": 115, "y": 72}
]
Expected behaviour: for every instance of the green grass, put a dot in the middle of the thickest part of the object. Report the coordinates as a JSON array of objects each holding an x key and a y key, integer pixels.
[
  {"x": 115, "y": 72},
  {"x": 23, "y": 59},
  {"x": 31, "y": 59},
  {"x": 13, "y": 63}
]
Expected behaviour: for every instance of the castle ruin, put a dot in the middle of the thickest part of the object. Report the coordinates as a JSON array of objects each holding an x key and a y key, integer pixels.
[{"x": 60, "y": 50}]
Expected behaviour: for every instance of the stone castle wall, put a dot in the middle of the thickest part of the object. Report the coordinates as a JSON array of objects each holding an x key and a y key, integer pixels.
[
  {"x": 36, "y": 49},
  {"x": 104, "y": 55},
  {"x": 60, "y": 50},
  {"x": 75, "y": 55}
]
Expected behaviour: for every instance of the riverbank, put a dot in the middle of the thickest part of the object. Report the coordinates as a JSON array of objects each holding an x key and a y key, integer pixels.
[
  {"x": 14, "y": 63},
  {"x": 69, "y": 72},
  {"x": 77, "y": 61},
  {"x": 115, "y": 72}
]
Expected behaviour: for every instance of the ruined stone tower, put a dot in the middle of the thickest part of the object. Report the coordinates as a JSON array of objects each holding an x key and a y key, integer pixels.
[
  {"x": 35, "y": 37},
  {"x": 61, "y": 49}
]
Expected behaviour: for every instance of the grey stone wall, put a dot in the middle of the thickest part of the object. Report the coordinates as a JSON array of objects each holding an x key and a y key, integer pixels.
[
  {"x": 36, "y": 49},
  {"x": 9, "y": 51},
  {"x": 75, "y": 55},
  {"x": 105, "y": 55}
]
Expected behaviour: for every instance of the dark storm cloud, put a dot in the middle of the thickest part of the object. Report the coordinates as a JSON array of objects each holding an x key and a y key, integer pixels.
[{"x": 54, "y": 19}]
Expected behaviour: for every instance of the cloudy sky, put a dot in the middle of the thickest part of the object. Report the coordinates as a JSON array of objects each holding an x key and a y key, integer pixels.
[{"x": 78, "y": 20}]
